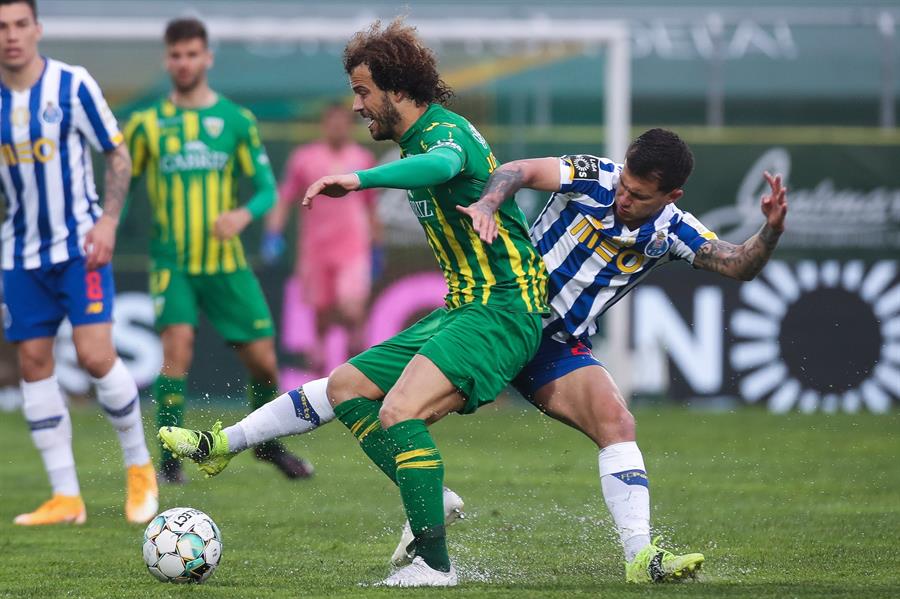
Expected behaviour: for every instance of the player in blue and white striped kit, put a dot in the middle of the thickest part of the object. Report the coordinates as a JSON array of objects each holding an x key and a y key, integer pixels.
[
  {"x": 604, "y": 229},
  {"x": 55, "y": 248}
]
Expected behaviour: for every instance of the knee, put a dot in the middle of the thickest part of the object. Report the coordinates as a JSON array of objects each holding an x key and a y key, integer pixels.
[
  {"x": 96, "y": 361},
  {"x": 616, "y": 425},
  {"x": 342, "y": 385},
  {"x": 391, "y": 412},
  {"x": 35, "y": 365}
]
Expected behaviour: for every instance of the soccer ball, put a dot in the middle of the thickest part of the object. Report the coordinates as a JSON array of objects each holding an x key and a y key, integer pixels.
[{"x": 182, "y": 545}]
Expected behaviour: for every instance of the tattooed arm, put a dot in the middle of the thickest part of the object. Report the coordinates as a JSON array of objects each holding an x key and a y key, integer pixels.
[
  {"x": 116, "y": 181},
  {"x": 541, "y": 174},
  {"x": 746, "y": 260},
  {"x": 101, "y": 240}
]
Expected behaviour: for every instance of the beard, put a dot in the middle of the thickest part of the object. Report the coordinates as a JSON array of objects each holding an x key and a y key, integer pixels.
[
  {"x": 189, "y": 85},
  {"x": 385, "y": 121}
]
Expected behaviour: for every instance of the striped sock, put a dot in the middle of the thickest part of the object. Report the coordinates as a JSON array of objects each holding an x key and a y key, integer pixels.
[
  {"x": 420, "y": 476},
  {"x": 293, "y": 413},
  {"x": 360, "y": 415},
  {"x": 117, "y": 394},
  {"x": 51, "y": 430},
  {"x": 626, "y": 490}
]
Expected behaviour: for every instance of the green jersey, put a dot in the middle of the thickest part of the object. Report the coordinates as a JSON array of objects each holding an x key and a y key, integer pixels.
[
  {"x": 507, "y": 274},
  {"x": 192, "y": 159}
]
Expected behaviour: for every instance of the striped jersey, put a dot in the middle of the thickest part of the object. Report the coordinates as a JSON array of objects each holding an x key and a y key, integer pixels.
[
  {"x": 45, "y": 165},
  {"x": 507, "y": 274},
  {"x": 192, "y": 159},
  {"x": 592, "y": 259}
]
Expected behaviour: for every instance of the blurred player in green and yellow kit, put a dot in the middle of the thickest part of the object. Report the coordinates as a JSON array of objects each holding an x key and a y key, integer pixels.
[{"x": 191, "y": 147}]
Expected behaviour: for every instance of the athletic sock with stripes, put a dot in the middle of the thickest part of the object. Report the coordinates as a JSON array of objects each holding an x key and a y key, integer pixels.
[
  {"x": 360, "y": 415},
  {"x": 420, "y": 476}
]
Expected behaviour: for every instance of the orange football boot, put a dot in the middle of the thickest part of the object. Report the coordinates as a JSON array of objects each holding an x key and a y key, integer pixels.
[{"x": 59, "y": 509}]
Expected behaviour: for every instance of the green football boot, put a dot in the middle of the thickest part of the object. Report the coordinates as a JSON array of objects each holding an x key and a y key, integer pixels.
[
  {"x": 208, "y": 448},
  {"x": 653, "y": 564}
]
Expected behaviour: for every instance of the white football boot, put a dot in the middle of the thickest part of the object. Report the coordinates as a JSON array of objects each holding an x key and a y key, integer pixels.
[
  {"x": 453, "y": 506},
  {"x": 420, "y": 574}
]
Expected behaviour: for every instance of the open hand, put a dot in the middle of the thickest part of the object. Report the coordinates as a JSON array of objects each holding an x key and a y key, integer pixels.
[
  {"x": 483, "y": 220},
  {"x": 334, "y": 186},
  {"x": 774, "y": 204}
]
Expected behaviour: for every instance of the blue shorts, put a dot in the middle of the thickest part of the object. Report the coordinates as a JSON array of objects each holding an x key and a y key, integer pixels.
[
  {"x": 37, "y": 300},
  {"x": 554, "y": 359}
]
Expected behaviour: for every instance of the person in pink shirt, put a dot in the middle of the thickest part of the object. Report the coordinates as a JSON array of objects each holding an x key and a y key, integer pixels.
[{"x": 335, "y": 239}]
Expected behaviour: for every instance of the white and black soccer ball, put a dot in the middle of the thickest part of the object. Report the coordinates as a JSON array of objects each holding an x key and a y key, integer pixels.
[{"x": 182, "y": 545}]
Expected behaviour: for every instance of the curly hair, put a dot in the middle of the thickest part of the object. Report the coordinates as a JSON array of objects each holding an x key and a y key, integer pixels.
[{"x": 399, "y": 62}]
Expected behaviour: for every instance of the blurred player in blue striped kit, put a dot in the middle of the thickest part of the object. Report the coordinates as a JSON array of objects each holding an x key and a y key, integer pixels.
[
  {"x": 604, "y": 229},
  {"x": 56, "y": 247}
]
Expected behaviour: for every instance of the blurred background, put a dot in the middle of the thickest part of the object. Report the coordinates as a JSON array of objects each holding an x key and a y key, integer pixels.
[{"x": 805, "y": 88}]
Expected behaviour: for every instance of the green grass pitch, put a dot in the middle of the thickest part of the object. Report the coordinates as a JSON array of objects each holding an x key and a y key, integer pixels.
[{"x": 782, "y": 506}]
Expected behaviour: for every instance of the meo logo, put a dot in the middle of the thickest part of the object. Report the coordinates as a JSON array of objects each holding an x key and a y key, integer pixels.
[{"x": 43, "y": 150}]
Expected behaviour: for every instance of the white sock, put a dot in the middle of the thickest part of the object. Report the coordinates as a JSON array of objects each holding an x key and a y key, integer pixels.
[
  {"x": 51, "y": 430},
  {"x": 627, "y": 494},
  {"x": 119, "y": 398},
  {"x": 293, "y": 413}
]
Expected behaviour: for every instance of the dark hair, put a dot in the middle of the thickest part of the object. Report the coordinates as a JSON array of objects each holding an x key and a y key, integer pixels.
[
  {"x": 184, "y": 29},
  {"x": 32, "y": 4},
  {"x": 399, "y": 62},
  {"x": 661, "y": 155}
]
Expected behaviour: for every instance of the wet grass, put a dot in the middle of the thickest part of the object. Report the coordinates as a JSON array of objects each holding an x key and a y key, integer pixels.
[{"x": 796, "y": 506}]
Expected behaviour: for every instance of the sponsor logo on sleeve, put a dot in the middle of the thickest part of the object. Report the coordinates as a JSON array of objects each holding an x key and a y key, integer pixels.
[
  {"x": 446, "y": 143},
  {"x": 586, "y": 167}
]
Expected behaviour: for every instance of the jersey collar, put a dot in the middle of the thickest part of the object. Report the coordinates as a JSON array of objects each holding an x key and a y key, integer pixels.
[{"x": 417, "y": 126}]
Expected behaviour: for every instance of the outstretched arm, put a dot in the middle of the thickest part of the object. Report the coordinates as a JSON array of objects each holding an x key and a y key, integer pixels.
[
  {"x": 746, "y": 260},
  {"x": 100, "y": 241},
  {"x": 422, "y": 170},
  {"x": 534, "y": 173}
]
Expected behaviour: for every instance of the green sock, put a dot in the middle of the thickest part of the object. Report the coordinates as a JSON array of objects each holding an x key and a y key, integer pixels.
[
  {"x": 261, "y": 392},
  {"x": 169, "y": 394},
  {"x": 420, "y": 476},
  {"x": 360, "y": 415}
]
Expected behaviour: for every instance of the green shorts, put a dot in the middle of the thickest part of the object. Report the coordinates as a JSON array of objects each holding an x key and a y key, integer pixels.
[
  {"x": 479, "y": 349},
  {"x": 233, "y": 302}
]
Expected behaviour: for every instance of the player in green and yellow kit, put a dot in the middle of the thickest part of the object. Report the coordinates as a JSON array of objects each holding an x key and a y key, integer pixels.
[
  {"x": 192, "y": 147},
  {"x": 458, "y": 357}
]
